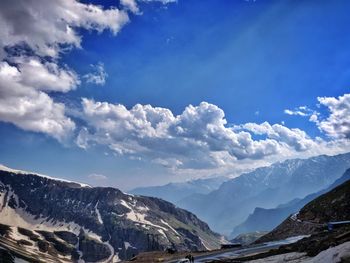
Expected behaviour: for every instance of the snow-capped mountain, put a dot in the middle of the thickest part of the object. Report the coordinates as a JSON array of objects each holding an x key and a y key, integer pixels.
[
  {"x": 69, "y": 221},
  {"x": 263, "y": 219},
  {"x": 332, "y": 206},
  {"x": 265, "y": 187}
]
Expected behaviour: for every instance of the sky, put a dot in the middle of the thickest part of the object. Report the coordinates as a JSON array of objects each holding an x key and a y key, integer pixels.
[{"x": 144, "y": 92}]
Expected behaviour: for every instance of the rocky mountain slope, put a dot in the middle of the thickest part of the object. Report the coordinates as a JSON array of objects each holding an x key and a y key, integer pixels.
[
  {"x": 70, "y": 221},
  {"x": 265, "y": 187},
  {"x": 173, "y": 192},
  {"x": 312, "y": 218},
  {"x": 267, "y": 219}
]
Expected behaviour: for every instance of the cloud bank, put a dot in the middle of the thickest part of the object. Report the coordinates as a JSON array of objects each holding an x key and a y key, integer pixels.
[
  {"x": 47, "y": 27},
  {"x": 198, "y": 138},
  {"x": 24, "y": 102},
  {"x": 33, "y": 34}
]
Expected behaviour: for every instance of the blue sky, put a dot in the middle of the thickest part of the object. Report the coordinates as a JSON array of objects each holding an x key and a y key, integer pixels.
[{"x": 251, "y": 59}]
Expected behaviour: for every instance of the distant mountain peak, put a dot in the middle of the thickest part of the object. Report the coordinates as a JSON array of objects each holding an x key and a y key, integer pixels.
[
  {"x": 265, "y": 187},
  {"x": 173, "y": 192}
]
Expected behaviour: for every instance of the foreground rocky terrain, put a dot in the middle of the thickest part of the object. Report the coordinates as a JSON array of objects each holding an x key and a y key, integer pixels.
[
  {"x": 57, "y": 220},
  {"x": 323, "y": 247},
  {"x": 336, "y": 254}
]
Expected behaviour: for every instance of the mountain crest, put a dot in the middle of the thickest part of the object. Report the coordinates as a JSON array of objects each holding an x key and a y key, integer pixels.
[{"x": 102, "y": 218}]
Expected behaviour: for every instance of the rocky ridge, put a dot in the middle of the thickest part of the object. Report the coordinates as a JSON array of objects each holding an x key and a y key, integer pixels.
[{"x": 79, "y": 222}]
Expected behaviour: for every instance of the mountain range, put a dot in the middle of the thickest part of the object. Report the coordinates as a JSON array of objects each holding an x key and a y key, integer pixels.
[
  {"x": 314, "y": 239},
  {"x": 266, "y": 187},
  {"x": 61, "y": 221},
  {"x": 332, "y": 206},
  {"x": 174, "y": 192},
  {"x": 267, "y": 219}
]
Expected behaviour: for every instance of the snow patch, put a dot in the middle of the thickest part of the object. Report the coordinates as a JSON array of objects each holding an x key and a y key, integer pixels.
[
  {"x": 19, "y": 217},
  {"x": 289, "y": 240},
  {"x": 293, "y": 257},
  {"x": 127, "y": 245},
  {"x": 99, "y": 218},
  {"x": 170, "y": 227},
  {"x": 333, "y": 254},
  {"x": 203, "y": 243},
  {"x": 135, "y": 216},
  {"x": 223, "y": 240},
  {"x": 112, "y": 257},
  {"x": 161, "y": 231},
  {"x": 294, "y": 217},
  {"x": 116, "y": 258}
]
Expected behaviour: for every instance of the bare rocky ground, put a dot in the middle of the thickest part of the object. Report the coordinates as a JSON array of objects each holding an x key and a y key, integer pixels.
[{"x": 303, "y": 250}]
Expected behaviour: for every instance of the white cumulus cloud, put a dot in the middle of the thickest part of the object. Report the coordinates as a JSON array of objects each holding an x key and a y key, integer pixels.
[
  {"x": 198, "y": 138},
  {"x": 47, "y": 26},
  {"x": 98, "y": 76},
  {"x": 97, "y": 177},
  {"x": 23, "y": 102},
  {"x": 337, "y": 124},
  {"x": 302, "y": 111},
  {"x": 133, "y": 5},
  {"x": 33, "y": 35},
  {"x": 130, "y": 5},
  {"x": 294, "y": 138}
]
